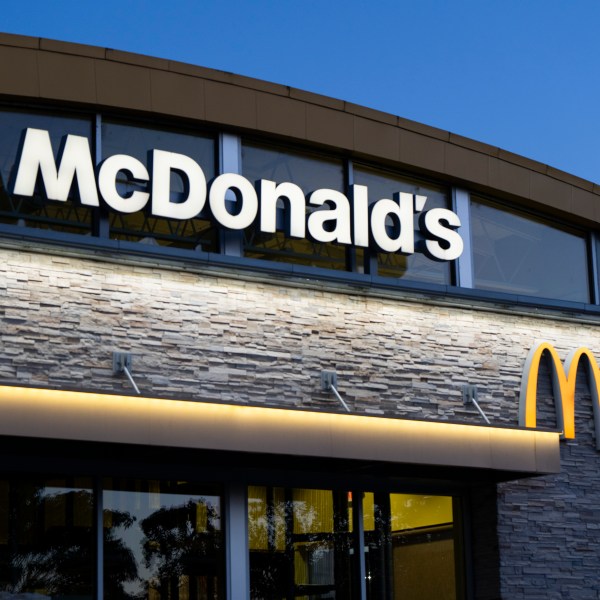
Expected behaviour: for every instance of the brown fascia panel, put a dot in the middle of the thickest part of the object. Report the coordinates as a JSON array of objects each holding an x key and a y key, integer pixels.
[{"x": 98, "y": 78}]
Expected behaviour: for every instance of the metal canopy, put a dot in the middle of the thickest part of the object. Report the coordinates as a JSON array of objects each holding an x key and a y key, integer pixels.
[{"x": 83, "y": 416}]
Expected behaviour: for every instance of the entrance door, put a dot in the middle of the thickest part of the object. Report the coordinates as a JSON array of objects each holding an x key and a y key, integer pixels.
[
  {"x": 409, "y": 547},
  {"x": 300, "y": 543}
]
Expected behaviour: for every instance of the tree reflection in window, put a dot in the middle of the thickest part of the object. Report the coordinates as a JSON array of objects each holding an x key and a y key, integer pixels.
[
  {"x": 46, "y": 539},
  {"x": 166, "y": 536},
  {"x": 120, "y": 567},
  {"x": 300, "y": 543}
]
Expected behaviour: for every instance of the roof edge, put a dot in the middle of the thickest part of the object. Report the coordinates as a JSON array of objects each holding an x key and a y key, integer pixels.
[{"x": 348, "y": 126}]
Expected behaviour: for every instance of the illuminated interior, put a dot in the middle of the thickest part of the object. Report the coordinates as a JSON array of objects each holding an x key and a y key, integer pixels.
[{"x": 304, "y": 539}]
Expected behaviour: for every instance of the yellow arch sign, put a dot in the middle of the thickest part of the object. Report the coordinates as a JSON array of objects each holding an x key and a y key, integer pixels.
[{"x": 563, "y": 387}]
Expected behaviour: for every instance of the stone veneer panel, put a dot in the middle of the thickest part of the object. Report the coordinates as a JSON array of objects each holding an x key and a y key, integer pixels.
[
  {"x": 548, "y": 527},
  {"x": 203, "y": 337}
]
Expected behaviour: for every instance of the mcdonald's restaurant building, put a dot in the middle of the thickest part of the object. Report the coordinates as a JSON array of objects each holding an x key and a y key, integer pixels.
[{"x": 257, "y": 343}]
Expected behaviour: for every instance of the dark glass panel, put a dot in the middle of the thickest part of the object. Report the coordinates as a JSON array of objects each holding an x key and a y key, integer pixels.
[
  {"x": 596, "y": 239},
  {"x": 38, "y": 211},
  {"x": 197, "y": 233},
  {"x": 46, "y": 538},
  {"x": 523, "y": 254},
  {"x": 411, "y": 547},
  {"x": 162, "y": 540},
  {"x": 310, "y": 172},
  {"x": 415, "y": 267},
  {"x": 300, "y": 544}
]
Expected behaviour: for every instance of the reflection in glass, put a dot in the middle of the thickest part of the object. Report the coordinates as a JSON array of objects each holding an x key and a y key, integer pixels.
[
  {"x": 162, "y": 540},
  {"x": 527, "y": 255},
  {"x": 38, "y": 211},
  {"x": 415, "y": 267},
  {"x": 197, "y": 233},
  {"x": 411, "y": 547},
  {"x": 46, "y": 538},
  {"x": 300, "y": 544},
  {"x": 310, "y": 172}
]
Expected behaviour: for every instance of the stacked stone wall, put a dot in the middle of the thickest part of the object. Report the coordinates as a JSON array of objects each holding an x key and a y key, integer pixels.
[
  {"x": 549, "y": 527},
  {"x": 224, "y": 339}
]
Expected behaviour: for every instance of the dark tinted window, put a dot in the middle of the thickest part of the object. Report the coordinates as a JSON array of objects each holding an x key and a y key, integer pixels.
[
  {"x": 310, "y": 172},
  {"x": 161, "y": 536},
  {"x": 414, "y": 267},
  {"x": 522, "y": 254},
  {"x": 300, "y": 543},
  {"x": 136, "y": 141},
  {"x": 38, "y": 211},
  {"x": 46, "y": 538}
]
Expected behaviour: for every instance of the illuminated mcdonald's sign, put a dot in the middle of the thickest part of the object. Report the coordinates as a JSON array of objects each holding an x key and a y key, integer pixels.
[{"x": 563, "y": 388}]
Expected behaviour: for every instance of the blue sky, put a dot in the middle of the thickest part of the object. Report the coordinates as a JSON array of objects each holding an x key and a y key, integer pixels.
[{"x": 519, "y": 74}]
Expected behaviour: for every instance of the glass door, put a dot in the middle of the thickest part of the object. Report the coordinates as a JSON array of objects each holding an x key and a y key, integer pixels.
[
  {"x": 301, "y": 544},
  {"x": 410, "y": 547}
]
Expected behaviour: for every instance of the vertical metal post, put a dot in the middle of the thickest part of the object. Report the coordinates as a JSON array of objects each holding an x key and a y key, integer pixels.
[
  {"x": 101, "y": 223},
  {"x": 351, "y": 262},
  {"x": 461, "y": 204},
  {"x": 593, "y": 254},
  {"x": 99, "y": 521},
  {"x": 359, "y": 533},
  {"x": 230, "y": 161},
  {"x": 369, "y": 256},
  {"x": 236, "y": 542}
]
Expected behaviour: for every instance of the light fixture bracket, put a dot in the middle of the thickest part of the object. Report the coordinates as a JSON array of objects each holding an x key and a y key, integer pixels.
[
  {"x": 328, "y": 380},
  {"x": 470, "y": 395},
  {"x": 122, "y": 362},
  {"x": 329, "y": 384}
]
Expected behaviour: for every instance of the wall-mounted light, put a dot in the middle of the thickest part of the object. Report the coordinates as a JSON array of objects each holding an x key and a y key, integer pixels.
[
  {"x": 122, "y": 364},
  {"x": 329, "y": 384},
  {"x": 470, "y": 396}
]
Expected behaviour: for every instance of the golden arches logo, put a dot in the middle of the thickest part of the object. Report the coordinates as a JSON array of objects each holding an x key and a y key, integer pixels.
[{"x": 563, "y": 387}]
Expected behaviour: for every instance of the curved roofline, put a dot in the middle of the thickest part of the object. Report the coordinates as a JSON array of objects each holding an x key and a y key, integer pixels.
[{"x": 49, "y": 71}]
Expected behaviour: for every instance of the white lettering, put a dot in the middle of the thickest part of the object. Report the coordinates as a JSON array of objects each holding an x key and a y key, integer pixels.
[
  {"x": 433, "y": 224},
  {"x": 360, "y": 214},
  {"x": 398, "y": 214},
  {"x": 162, "y": 206},
  {"x": 234, "y": 203},
  {"x": 107, "y": 182},
  {"x": 330, "y": 224},
  {"x": 270, "y": 193},
  {"x": 246, "y": 201},
  {"x": 76, "y": 160}
]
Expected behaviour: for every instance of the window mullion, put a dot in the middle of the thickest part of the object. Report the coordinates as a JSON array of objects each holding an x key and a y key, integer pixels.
[
  {"x": 461, "y": 202},
  {"x": 99, "y": 521},
  {"x": 100, "y": 218},
  {"x": 230, "y": 161},
  {"x": 359, "y": 545},
  {"x": 593, "y": 254},
  {"x": 236, "y": 542}
]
